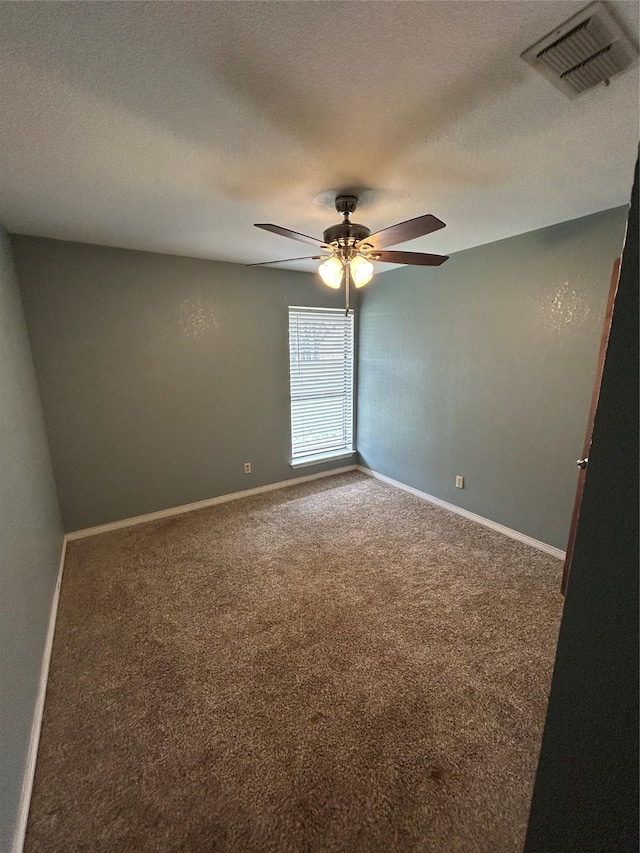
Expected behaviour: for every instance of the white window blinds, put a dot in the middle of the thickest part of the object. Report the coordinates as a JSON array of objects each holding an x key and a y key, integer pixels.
[{"x": 321, "y": 375}]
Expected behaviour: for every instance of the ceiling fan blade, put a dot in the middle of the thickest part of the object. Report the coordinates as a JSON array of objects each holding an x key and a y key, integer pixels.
[
  {"x": 403, "y": 231},
  {"x": 418, "y": 258},
  {"x": 294, "y": 235},
  {"x": 286, "y": 260}
]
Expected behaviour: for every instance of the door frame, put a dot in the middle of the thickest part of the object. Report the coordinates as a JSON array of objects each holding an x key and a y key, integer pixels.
[{"x": 595, "y": 396}]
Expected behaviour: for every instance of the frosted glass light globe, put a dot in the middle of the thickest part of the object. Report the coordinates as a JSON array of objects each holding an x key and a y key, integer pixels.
[
  {"x": 331, "y": 272},
  {"x": 361, "y": 271}
]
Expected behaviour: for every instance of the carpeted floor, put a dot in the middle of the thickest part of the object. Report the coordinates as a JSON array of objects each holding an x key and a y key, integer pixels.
[{"x": 337, "y": 666}]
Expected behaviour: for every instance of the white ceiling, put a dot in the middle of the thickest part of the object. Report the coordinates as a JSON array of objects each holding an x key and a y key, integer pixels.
[{"x": 174, "y": 126}]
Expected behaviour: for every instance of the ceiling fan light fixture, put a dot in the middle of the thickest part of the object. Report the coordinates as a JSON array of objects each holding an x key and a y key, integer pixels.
[
  {"x": 331, "y": 272},
  {"x": 352, "y": 247},
  {"x": 361, "y": 271}
]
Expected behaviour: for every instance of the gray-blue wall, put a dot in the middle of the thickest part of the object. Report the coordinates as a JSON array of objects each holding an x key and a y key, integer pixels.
[
  {"x": 484, "y": 367},
  {"x": 30, "y": 543},
  {"x": 160, "y": 375}
]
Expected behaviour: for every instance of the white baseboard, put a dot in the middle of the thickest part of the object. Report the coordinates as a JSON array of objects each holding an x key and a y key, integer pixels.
[
  {"x": 34, "y": 740},
  {"x": 486, "y": 522},
  {"x": 179, "y": 510}
]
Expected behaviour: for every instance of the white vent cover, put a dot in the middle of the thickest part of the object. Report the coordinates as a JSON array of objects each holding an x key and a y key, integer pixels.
[{"x": 588, "y": 49}]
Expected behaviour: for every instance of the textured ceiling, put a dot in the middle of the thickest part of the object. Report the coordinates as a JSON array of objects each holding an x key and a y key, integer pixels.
[{"x": 174, "y": 126}]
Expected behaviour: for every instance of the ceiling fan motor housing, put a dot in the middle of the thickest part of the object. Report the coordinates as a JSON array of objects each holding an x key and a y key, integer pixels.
[{"x": 346, "y": 233}]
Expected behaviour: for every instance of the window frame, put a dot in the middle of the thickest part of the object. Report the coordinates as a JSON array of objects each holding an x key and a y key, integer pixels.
[{"x": 330, "y": 455}]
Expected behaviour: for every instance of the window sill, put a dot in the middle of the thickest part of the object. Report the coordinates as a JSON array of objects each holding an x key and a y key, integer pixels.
[{"x": 307, "y": 461}]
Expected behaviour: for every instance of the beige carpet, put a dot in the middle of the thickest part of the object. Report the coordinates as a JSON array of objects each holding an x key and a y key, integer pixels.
[{"x": 337, "y": 666}]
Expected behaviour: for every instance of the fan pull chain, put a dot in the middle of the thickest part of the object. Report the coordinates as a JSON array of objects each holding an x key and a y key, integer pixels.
[{"x": 347, "y": 282}]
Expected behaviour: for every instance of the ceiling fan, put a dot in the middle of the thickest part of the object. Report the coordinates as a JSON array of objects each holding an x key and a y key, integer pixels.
[{"x": 351, "y": 247}]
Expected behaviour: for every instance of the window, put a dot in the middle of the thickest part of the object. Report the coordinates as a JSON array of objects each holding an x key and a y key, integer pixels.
[{"x": 321, "y": 376}]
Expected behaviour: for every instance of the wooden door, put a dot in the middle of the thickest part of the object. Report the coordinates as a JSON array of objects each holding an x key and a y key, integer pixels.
[{"x": 595, "y": 394}]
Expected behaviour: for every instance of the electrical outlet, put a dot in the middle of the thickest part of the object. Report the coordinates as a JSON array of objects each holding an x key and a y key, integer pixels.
[
  {"x": 247, "y": 467},
  {"x": 459, "y": 482}
]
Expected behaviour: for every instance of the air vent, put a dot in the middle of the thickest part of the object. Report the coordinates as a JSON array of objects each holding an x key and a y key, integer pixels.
[{"x": 589, "y": 49}]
